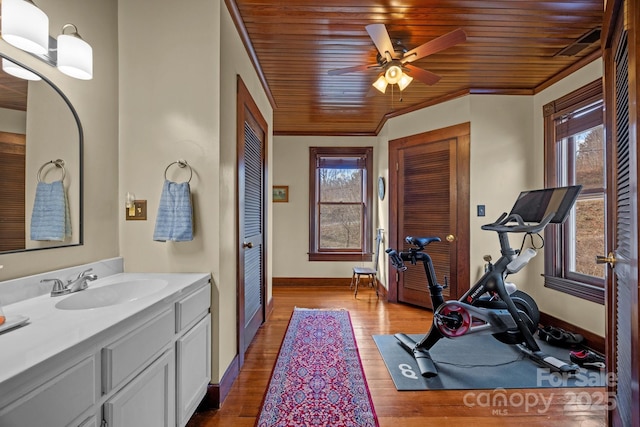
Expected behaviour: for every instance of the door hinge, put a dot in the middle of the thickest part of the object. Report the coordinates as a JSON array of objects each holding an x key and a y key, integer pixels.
[{"x": 397, "y": 167}]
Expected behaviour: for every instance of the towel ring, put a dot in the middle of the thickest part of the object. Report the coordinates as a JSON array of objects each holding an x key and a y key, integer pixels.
[
  {"x": 181, "y": 164},
  {"x": 58, "y": 163}
]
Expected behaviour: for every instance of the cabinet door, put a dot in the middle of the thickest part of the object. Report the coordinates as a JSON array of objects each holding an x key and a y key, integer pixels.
[
  {"x": 148, "y": 400},
  {"x": 193, "y": 369},
  {"x": 56, "y": 403}
]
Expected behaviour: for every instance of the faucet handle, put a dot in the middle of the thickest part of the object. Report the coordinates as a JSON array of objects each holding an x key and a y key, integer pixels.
[
  {"x": 83, "y": 273},
  {"x": 58, "y": 287}
]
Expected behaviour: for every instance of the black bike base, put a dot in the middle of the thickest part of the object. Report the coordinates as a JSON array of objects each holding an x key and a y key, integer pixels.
[{"x": 423, "y": 358}]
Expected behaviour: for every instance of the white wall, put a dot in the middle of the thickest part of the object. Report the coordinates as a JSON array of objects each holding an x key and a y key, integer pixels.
[
  {"x": 96, "y": 103},
  {"x": 291, "y": 220},
  {"x": 177, "y": 101}
]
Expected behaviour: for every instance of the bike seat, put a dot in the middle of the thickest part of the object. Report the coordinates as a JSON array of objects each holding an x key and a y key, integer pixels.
[{"x": 421, "y": 241}]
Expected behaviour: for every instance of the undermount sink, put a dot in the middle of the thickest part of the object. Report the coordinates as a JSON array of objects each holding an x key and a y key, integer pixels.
[{"x": 112, "y": 294}]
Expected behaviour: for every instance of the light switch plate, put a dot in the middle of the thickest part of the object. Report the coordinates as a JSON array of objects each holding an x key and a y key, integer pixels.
[{"x": 140, "y": 211}]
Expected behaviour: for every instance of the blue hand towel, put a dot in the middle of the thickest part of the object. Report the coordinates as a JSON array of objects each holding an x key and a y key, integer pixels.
[
  {"x": 50, "y": 219},
  {"x": 174, "y": 221}
]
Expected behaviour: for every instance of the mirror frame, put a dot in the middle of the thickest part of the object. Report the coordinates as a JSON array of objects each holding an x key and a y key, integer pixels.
[{"x": 80, "y": 166}]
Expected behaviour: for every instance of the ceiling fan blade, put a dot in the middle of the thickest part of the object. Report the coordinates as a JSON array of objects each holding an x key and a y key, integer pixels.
[
  {"x": 436, "y": 45},
  {"x": 339, "y": 71},
  {"x": 380, "y": 37},
  {"x": 426, "y": 77}
]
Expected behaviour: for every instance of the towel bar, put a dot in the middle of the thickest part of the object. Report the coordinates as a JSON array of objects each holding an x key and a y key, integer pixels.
[
  {"x": 58, "y": 163},
  {"x": 181, "y": 164}
]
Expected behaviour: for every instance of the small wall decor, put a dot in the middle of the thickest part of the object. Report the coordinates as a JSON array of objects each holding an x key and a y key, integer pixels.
[{"x": 280, "y": 193}]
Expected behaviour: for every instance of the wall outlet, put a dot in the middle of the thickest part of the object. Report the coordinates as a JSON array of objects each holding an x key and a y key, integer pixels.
[
  {"x": 481, "y": 210},
  {"x": 138, "y": 211}
]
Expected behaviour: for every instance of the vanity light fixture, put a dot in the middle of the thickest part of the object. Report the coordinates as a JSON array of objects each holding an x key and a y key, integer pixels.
[
  {"x": 75, "y": 56},
  {"x": 18, "y": 71},
  {"x": 27, "y": 27}
]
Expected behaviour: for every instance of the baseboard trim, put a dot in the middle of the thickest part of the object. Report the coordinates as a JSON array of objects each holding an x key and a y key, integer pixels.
[
  {"x": 591, "y": 340},
  {"x": 216, "y": 393},
  {"x": 311, "y": 281}
]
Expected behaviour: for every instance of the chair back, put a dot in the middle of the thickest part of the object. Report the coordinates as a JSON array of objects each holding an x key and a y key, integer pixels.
[{"x": 376, "y": 254}]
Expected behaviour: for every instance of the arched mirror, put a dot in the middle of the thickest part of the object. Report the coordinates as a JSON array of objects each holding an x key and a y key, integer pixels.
[{"x": 40, "y": 163}]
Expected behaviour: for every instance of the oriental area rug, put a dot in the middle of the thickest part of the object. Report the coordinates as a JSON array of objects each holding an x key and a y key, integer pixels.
[{"x": 318, "y": 378}]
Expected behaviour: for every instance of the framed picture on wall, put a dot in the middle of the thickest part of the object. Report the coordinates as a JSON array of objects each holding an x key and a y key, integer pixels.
[{"x": 280, "y": 193}]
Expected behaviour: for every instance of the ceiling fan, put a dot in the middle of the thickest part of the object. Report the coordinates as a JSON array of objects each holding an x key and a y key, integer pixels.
[{"x": 395, "y": 60}]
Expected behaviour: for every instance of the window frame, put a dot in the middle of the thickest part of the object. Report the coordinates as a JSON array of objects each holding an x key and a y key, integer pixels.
[
  {"x": 578, "y": 285},
  {"x": 365, "y": 253}
]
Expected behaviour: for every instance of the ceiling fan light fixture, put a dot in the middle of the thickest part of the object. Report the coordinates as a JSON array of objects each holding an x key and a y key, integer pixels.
[
  {"x": 393, "y": 74},
  {"x": 381, "y": 84},
  {"x": 404, "y": 81}
]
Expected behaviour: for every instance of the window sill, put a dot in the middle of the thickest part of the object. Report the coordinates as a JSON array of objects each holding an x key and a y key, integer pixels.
[
  {"x": 577, "y": 289},
  {"x": 340, "y": 256}
]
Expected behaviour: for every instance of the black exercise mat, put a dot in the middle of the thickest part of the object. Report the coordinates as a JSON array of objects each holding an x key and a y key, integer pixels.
[{"x": 478, "y": 362}]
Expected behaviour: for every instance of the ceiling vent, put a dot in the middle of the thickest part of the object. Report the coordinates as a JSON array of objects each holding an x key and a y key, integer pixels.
[{"x": 582, "y": 43}]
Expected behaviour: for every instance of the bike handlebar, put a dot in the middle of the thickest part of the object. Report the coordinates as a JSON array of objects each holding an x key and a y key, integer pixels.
[
  {"x": 503, "y": 225},
  {"x": 395, "y": 259}
]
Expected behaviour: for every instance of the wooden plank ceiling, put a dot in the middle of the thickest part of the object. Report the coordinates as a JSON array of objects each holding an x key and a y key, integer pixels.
[{"x": 512, "y": 47}]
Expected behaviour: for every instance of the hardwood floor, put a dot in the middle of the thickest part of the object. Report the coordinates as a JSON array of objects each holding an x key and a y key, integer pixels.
[{"x": 394, "y": 409}]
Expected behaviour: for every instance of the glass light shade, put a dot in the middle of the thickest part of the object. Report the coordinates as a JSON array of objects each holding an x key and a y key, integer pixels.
[
  {"x": 75, "y": 57},
  {"x": 25, "y": 26},
  {"x": 404, "y": 81},
  {"x": 17, "y": 71},
  {"x": 381, "y": 84},
  {"x": 393, "y": 74}
]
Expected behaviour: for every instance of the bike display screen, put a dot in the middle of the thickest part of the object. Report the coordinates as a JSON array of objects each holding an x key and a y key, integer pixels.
[{"x": 535, "y": 205}]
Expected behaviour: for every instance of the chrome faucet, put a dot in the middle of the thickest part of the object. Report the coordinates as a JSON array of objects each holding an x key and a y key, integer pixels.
[{"x": 75, "y": 285}]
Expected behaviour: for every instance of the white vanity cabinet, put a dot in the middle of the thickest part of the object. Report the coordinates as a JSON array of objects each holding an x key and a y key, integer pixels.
[{"x": 150, "y": 369}]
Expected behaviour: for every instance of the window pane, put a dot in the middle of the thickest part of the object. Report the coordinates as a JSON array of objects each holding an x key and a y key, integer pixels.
[
  {"x": 340, "y": 185},
  {"x": 590, "y": 158},
  {"x": 340, "y": 226},
  {"x": 589, "y": 237}
]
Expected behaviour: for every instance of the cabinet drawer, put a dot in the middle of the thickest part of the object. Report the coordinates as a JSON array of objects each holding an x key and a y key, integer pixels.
[
  {"x": 58, "y": 402},
  {"x": 192, "y": 308},
  {"x": 129, "y": 354}
]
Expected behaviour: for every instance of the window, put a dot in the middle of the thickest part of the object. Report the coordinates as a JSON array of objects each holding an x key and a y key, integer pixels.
[
  {"x": 340, "y": 183},
  {"x": 574, "y": 154}
]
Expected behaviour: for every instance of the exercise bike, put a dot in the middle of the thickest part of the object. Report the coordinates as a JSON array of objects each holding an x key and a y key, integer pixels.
[{"x": 492, "y": 306}]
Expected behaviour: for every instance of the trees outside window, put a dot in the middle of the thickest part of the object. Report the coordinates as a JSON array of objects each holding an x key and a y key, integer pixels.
[
  {"x": 340, "y": 227},
  {"x": 575, "y": 154}
]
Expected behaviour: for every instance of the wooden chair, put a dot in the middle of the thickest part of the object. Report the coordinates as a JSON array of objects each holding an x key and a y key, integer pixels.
[{"x": 371, "y": 273}]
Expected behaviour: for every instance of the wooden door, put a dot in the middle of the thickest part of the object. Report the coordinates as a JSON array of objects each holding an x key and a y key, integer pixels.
[
  {"x": 621, "y": 47},
  {"x": 252, "y": 140},
  {"x": 429, "y": 196},
  {"x": 12, "y": 196}
]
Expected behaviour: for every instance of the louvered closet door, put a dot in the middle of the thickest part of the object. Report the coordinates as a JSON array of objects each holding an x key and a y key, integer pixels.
[
  {"x": 12, "y": 199},
  {"x": 251, "y": 220},
  {"x": 623, "y": 349},
  {"x": 431, "y": 200}
]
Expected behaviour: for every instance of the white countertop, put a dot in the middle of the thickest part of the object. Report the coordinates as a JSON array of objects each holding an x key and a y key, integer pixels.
[{"x": 51, "y": 331}]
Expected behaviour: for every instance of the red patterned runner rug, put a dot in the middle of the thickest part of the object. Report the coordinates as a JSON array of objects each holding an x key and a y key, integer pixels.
[{"x": 318, "y": 378}]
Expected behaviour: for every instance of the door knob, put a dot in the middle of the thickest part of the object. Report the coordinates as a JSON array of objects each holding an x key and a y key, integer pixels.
[
  {"x": 609, "y": 259},
  {"x": 247, "y": 245},
  {"x": 450, "y": 238}
]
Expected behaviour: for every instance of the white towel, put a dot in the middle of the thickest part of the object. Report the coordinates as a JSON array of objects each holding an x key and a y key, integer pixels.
[
  {"x": 174, "y": 221},
  {"x": 50, "y": 218}
]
